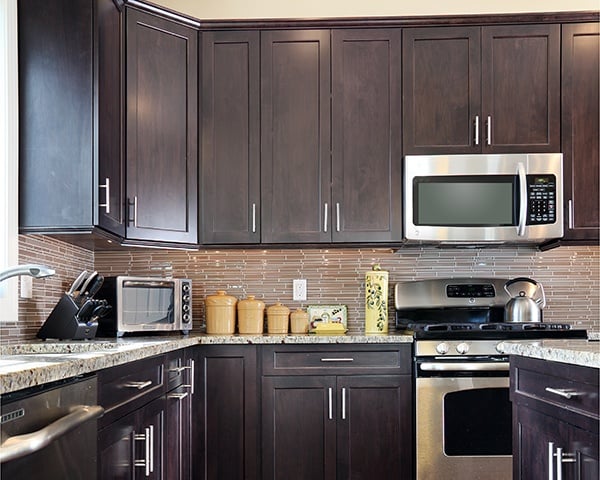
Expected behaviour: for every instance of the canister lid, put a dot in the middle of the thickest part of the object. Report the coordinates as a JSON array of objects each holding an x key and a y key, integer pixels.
[
  {"x": 221, "y": 299},
  {"x": 278, "y": 309},
  {"x": 250, "y": 303}
]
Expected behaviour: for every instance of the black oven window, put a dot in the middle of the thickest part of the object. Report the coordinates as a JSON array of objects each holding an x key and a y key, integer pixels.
[{"x": 478, "y": 422}]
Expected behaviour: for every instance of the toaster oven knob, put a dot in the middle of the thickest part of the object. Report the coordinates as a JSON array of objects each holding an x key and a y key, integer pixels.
[
  {"x": 186, "y": 298},
  {"x": 186, "y": 308},
  {"x": 462, "y": 348},
  {"x": 186, "y": 318},
  {"x": 442, "y": 348},
  {"x": 185, "y": 287}
]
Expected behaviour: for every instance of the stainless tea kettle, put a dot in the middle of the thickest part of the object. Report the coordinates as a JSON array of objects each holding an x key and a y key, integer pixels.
[{"x": 522, "y": 307}]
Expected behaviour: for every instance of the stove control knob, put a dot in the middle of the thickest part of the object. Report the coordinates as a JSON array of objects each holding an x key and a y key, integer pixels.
[
  {"x": 442, "y": 348},
  {"x": 462, "y": 348}
]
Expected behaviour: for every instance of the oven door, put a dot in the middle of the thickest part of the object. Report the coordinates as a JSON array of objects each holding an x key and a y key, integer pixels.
[{"x": 463, "y": 422}]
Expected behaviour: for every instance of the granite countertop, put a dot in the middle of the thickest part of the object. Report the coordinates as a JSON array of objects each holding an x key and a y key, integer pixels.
[
  {"x": 34, "y": 363},
  {"x": 582, "y": 352}
]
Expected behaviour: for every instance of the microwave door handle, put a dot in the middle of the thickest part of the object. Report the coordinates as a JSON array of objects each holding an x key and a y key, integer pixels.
[{"x": 522, "y": 200}]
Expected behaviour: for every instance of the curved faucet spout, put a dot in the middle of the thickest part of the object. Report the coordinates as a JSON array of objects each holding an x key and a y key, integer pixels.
[{"x": 35, "y": 271}]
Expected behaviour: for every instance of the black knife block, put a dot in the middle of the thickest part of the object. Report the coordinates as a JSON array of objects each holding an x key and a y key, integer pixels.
[{"x": 63, "y": 323}]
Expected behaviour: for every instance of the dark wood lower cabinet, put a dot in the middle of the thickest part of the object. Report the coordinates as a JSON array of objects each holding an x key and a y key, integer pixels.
[
  {"x": 226, "y": 413},
  {"x": 555, "y": 420}
]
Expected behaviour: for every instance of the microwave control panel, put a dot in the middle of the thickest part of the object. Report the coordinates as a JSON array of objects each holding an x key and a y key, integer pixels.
[{"x": 541, "y": 199}]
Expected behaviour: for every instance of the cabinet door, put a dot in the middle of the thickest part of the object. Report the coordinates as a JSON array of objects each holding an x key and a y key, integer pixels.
[
  {"x": 56, "y": 87},
  {"x": 149, "y": 441},
  {"x": 115, "y": 449},
  {"x": 178, "y": 422},
  {"x": 521, "y": 88},
  {"x": 162, "y": 125},
  {"x": 366, "y": 146},
  {"x": 227, "y": 413},
  {"x": 299, "y": 424},
  {"x": 584, "y": 448},
  {"x": 532, "y": 434},
  {"x": 230, "y": 177},
  {"x": 111, "y": 160},
  {"x": 374, "y": 427},
  {"x": 295, "y": 138},
  {"x": 580, "y": 127},
  {"x": 441, "y": 85}
]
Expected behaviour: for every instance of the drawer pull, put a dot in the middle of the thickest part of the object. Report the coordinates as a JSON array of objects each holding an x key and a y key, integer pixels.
[
  {"x": 138, "y": 385},
  {"x": 178, "y": 396},
  {"x": 326, "y": 359},
  {"x": 562, "y": 392},
  {"x": 330, "y": 398},
  {"x": 179, "y": 369}
]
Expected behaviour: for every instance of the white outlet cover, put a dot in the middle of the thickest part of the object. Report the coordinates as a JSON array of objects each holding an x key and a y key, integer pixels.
[{"x": 299, "y": 293}]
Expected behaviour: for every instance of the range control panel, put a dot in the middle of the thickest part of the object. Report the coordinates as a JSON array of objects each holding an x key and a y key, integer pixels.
[
  {"x": 470, "y": 290},
  {"x": 541, "y": 199}
]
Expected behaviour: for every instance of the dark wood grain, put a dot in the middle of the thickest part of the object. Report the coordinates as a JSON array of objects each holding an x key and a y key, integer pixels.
[
  {"x": 227, "y": 413},
  {"x": 55, "y": 115},
  {"x": 162, "y": 128},
  {"x": 580, "y": 127},
  {"x": 366, "y": 135},
  {"x": 441, "y": 90},
  {"x": 521, "y": 88},
  {"x": 230, "y": 176},
  {"x": 295, "y": 138}
]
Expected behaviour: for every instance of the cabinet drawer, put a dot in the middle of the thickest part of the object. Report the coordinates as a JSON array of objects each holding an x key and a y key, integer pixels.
[
  {"x": 568, "y": 386},
  {"x": 126, "y": 387},
  {"x": 338, "y": 359}
]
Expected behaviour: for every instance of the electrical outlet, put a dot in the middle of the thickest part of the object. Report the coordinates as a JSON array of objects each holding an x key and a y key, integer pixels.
[{"x": 300, "y": 289}]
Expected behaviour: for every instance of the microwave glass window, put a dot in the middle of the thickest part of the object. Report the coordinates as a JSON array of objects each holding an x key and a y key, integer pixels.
[
  {"x": 144, "y": 305},
  {"x": 465, "y": 201}
]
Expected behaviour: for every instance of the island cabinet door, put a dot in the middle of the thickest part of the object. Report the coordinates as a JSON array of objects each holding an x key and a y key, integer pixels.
[
  {"x": 298, "y": 415},
  {"x": 374, "y": 434}
]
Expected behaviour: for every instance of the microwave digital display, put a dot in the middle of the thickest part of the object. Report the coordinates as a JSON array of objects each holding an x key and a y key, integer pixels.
[{"x": 465, "y": 201}]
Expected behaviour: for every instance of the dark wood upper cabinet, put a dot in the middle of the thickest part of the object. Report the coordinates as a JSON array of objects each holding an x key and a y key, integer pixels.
[
  {"x": 366, "y": 140},
  {"x": 492, "y": 89},
  {"x": 295, "y": 136},
  {"x": 56, "y": 87},
  {"x": 162, "y": 129},
  {"x": 230, "y": 174},
  {"x": 520, "y": 88},
  {"x": 580, "y": 127}
]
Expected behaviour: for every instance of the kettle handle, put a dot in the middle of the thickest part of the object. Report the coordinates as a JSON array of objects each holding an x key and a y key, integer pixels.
[{"x": 530, "y": 280}]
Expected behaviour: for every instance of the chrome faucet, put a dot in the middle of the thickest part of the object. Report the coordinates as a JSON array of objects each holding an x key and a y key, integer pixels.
[{"x": 35, "y": 271}]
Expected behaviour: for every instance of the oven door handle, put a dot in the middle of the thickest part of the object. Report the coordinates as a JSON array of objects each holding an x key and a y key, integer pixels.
[
  {"x": 464, "y": 366},
  {"x": 22, "y": 445}
]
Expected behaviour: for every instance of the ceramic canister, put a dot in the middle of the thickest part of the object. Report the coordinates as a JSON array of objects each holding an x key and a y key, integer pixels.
[
  {"x": 251, "y": 315},
  {"x": 376, "y": 302},
  {"x": 299, "y": 321},
  {"x": 278, "y": 318},
  {"x": 220, "y": 313}
]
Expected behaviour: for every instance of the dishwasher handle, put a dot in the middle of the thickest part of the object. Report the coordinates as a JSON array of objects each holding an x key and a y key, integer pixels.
[{"x": 22, "y": 445}]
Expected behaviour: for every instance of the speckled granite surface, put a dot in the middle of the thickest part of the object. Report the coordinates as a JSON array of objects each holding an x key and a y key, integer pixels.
[
  {"x": 34, "y": 363},
  {"x": 576, "y": 352}
]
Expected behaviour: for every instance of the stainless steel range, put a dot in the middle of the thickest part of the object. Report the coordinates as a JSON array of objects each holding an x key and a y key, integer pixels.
[{"x": 463, "y": 412}]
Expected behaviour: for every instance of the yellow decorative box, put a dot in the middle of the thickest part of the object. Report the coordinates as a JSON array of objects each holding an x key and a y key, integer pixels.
[{"x": 376, "y": 304}]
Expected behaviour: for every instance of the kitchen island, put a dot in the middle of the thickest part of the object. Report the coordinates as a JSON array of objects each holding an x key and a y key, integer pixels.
[{"x": 584, "y": 353}]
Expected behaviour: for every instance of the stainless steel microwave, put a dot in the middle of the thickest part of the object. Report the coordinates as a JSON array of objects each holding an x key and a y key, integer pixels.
[
  {"x": 483, "y": 199},
  {"x": 145, "y": 304}
]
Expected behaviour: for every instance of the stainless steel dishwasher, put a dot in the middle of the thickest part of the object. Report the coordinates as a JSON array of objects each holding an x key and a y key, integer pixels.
[{"x": 50, "y": 432}]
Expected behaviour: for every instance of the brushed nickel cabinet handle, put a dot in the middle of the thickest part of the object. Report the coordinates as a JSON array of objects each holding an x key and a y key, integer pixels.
[
  {"x": 254, "y": 218},
  {"x": 550, "y": 460},
  {"x": 343, "y": 403},
  {"x": 563, "y": 458},
  {"x": 341, "y": 359},
  {"x": 489, "y": 130},
  {"x": 178, "y": 396},
  {"x": 138, "y": 385},
  {"x": 135, "y": 211},
  {"x": 325, "y": 217},
  {"x": 106, "y": 205},
  {"x": 330, "y": 395},
  {"x": 337, "y": 217},
  {"x": 145, "y": 462},
  {"x": 476, "y": 129},
  {"x": 571, "y": 216},
  {"x": 563, "y": 392}
]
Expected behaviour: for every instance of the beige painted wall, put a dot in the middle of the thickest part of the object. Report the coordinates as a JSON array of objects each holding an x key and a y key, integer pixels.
[{"x": 233, "y": 9}]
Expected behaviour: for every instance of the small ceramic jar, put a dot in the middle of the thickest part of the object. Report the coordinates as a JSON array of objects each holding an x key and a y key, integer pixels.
[
  {"x": 220, "y": 313},
  {"x": 278, "y": 319},
  {"x": 299, "y": 321},
  {"x": 251, "y": 315}
]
